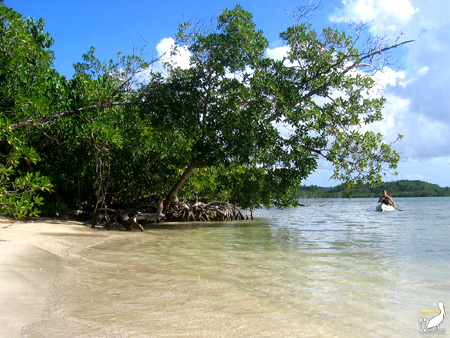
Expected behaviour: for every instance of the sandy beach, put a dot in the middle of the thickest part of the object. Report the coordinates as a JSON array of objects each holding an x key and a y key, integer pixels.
[
  {"x": 63, "y": 279},
  {"x": 31, "y": 257}
]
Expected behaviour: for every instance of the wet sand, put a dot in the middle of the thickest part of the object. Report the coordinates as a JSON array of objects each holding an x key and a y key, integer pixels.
[
  {"x": 32, "y": 255},
  {"x": 64, "y": 279}
]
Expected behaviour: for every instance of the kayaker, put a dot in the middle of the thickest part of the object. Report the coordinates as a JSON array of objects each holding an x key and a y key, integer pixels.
[{"x": 386, "y": 199}]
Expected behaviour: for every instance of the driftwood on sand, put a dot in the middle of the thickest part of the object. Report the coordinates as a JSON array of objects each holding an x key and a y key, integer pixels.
[
  {"x": 112, "y": 217},
  {"x": 154, "y": 216}
]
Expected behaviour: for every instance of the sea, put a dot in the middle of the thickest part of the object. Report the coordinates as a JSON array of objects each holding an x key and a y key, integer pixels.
[{"x": 331, "y": 268}]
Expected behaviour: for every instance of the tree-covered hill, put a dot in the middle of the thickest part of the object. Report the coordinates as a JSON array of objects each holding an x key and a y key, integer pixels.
[{"x": 402, "y": 188}]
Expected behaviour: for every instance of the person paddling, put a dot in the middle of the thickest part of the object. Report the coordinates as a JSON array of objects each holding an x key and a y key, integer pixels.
[{"x": 386, "y": 199}]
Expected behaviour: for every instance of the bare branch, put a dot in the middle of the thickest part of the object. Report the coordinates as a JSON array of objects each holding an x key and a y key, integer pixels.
[
  {"x": 45, "y": 119},
  {"x": 303, "y": 12}
]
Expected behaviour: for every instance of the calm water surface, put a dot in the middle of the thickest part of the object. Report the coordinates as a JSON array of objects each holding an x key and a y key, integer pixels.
[{"x": 335, "y": 268}]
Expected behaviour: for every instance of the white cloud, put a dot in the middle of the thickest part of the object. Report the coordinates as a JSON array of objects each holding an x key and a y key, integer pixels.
[
  {"x": 423, "y": 70},
  {"x": 277, "y": 53},
  {"x": 395, "y": 114},
  {"x": 418, "y": 101},
  {"x": 431, "y": 170},
  {"x": 177, "y": 58},
  {"x": 388, "y": 77},
  {"x": 382, "y": 14}
]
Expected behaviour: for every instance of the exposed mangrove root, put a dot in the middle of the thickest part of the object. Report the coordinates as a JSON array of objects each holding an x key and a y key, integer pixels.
[
  {"x": 112, "y": 217},
  {"x": 183, "y": 211},
  {"x": 154, "y": 216},
  {"x": 200, "y": 211}
]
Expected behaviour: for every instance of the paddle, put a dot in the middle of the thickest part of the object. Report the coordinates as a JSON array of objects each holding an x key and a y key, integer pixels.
[{"x": 398, "y": 209}]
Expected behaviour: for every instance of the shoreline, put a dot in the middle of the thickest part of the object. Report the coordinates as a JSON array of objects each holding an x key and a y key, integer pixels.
[
  {"x": 32, "y": 256},
  {"x": 304, "y": 274},
  {"x": 56, "y": 278}
]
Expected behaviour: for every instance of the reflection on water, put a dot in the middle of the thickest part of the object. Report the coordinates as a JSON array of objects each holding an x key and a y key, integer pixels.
[{"x": 335, "y": 268}]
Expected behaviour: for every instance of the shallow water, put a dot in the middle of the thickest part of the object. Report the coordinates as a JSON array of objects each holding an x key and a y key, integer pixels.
[{"x": 335, "y": 268}]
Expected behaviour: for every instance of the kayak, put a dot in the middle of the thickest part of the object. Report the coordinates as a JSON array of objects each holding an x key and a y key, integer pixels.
[{"x": 385, "y": 207}]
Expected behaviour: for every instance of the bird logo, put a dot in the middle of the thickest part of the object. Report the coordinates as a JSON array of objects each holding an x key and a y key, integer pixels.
[{"x": 434, "y": 323}]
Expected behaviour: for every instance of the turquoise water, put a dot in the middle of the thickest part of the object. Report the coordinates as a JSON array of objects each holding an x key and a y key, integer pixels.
[{"x": 335, "y": 268}]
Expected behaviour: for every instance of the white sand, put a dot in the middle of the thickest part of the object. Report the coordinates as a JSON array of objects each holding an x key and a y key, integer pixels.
[{"x": 31, "y": 257}]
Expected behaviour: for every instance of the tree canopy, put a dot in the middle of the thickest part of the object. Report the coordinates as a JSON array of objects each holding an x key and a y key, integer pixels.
[{"x": 235, "y": 125}]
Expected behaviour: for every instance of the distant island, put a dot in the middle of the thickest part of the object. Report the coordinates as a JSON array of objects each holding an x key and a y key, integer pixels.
[{"x": 402, "y": 188}]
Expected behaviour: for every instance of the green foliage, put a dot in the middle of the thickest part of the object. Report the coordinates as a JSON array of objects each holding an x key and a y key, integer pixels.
[
  {"x": 252, "y": 127},
  {"x": 73, "y": 125},
  {"x": 263, "y": 123},
  {"x": 96, "y": 148},
  {"x": 25, "y": 80},
  {"x": 18, "y": 188}
]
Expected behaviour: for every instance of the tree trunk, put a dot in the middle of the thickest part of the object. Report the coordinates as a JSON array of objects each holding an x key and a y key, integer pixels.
[{"x": 174, "y": 191}]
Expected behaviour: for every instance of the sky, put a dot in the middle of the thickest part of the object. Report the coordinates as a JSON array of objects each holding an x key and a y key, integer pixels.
[{"x": 417, "y": 85}]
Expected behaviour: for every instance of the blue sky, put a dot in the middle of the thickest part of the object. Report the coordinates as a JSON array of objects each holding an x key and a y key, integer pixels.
[{"x": 417, "y": 87}]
